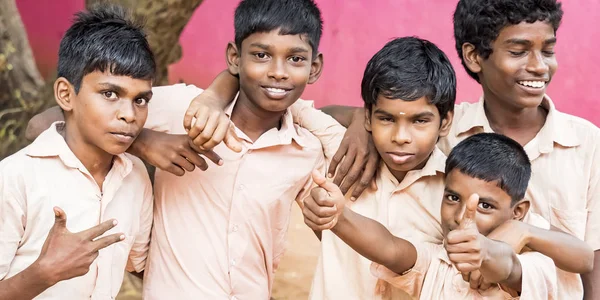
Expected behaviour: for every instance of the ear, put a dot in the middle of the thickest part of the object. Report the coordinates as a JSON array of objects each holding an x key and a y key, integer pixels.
[
  {"x": 446, "y": 124},
  {"x": 64, "y": 92},
  {"x": 520, "y": 210},
  {"x": 471, "y": 58},
  {"x": 315, "y": 68},
  {"x": 368, "y": 119},
  {"x": 232, "y": 56}
]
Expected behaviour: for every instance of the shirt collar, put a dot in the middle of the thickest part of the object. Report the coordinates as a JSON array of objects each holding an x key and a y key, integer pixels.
[
  {"x": 557, "y": 129},
  {"x": 51, "y": 143},
  {"x": 283, "y": 136}
]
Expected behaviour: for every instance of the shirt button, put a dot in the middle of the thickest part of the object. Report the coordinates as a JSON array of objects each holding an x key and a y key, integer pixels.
[
  {"x": 241, "y": 187},
  {"x": 233, "y": 298},
  {"x": 235, "y": 228},
  {"x": 233, "y": 262}
]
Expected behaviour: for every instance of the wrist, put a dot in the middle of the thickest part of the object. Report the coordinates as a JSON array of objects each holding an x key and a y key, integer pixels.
[{"x": 43, "y": 273}]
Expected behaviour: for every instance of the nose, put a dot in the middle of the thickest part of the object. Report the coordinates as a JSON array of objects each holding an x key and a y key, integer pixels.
[
  {"x": 402, "y": 135},
  {"x": 278, "y": 70},
  {"x": 126, "y": 112},
  {"x": 536, "y": 64}
]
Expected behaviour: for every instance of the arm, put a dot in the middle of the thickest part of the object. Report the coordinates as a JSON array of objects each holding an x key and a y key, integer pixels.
[
  {"x": 25, "y": 285},
  {"x": 590, "y": 280},
  {"x": 325, "y": 209},
  {"x": 568, "y": 252},
  {"x": 375, "y": 242},
  {"x": 344, "y": 114},
  {"x": 42, "y": 121}
]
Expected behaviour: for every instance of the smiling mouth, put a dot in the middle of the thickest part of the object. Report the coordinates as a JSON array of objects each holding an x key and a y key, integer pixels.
[{"x": 532, "y": 84}]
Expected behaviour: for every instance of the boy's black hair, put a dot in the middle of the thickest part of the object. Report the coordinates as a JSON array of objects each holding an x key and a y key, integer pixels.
[
  {"x": 479, "y": 22},
  {"x": 104, "y": 39},
  {"x": 289, "y": 16},
  {"x": 410, "y": 68},
  {"x": 493, "y": 157}
]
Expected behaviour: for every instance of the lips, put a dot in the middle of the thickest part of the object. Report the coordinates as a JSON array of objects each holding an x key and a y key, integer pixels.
[
  {"x": 276, "y": 92},
  {"x": 400, "y": 157},
  {"x": 123, "y": 136}
]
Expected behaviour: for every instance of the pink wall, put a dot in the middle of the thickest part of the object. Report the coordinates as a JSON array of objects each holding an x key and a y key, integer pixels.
[{"x": 354, "y": 31}]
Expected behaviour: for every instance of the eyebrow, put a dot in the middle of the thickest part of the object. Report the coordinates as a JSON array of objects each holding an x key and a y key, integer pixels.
[
  {"x": 382, "y": 112},
  {"x": 292, "y": 50},
  {"x": 521, "y": 42},
  {"x": 550, "y": 41},
  {"x": 423, "y": 115},
  {"x": 120, "y": 90}
]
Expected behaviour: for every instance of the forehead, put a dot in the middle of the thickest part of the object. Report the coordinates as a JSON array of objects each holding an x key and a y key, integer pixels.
[
  {"x": 126, "y": 82},
  {"x": 397, "y": 106},
  {"x": 539, "y": 30},
  {"x": 277, "y": 41}
]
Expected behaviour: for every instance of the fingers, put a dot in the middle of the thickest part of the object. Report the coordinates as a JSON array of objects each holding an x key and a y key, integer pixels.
[
  {"x": 337, "y": 158},
  {"x": 60, "y": 218},
  {"x": 322, "y": 182},
  {"x": 316, "y": 227},
  {"x": 218, "y": 135},
  {"x": 458, "y": 236},
  {"x": 174, "y": 169},
  {"x": 320, "y": 197},
  {"x": 475, "y": 280},
  {"x": 463, "y": 265},
  {"x": 323, "y": 217},
  {"x": 367, "y": 178},
  {"x": 196, "y": 160},
  {"x": 188, "y": 117},
  {"x": 470, "y": 212},
  {"x": 321, "y": 208},
  {"x": 214, "y": 157},
  {"x": 108, "y": 240},
  {"x": 98, "y": 230},
  {"x": 353, "y": 175},
  {"x": 183, "y": 163},
  {"x": 232, "y": 141},
  {"x": 201, "y": 116},
  {"x": 344, "y": 167}
]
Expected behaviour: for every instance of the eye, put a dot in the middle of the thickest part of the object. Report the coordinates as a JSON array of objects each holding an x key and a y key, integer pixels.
[
  {"x": 548, "y": 52},
  {"x": 109, "y": 95},
  {"x": 297, "y": 59},
  {"x": 516, "y": 53},
  {"x": 485, "y": 206},
  {"x": 141, "y": 101},
  {"x": 260, "y": 55},
  {"x": 385, "y": 119},
  {"x": 421, "y": 121},
  {"x": 452, "y": 198}
]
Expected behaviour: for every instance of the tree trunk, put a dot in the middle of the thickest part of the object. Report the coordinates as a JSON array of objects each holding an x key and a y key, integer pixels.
[{"x": 20, "y": 80}]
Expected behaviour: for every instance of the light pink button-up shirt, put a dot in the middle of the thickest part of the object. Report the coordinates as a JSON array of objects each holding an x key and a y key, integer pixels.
[
  {"x": 220, "y": 233},
  {"x": 47, "y": 174}
]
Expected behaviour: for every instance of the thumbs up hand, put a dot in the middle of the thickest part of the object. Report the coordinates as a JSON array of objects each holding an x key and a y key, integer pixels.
[
  {"x": 465, "y": 245},
  {"x": 324, "y": 206}
]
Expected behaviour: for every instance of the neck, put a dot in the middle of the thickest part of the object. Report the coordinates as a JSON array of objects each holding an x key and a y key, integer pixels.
[
  {"x": 97, "y": 161},
  {"x": 253, "y": 120},
  {"x": 520, "y": 124}
]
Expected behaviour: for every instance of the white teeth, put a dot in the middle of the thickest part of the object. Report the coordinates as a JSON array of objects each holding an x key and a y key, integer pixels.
[
  {"x": 276, "y": 90},
  {"x": 533, "y": 84}
]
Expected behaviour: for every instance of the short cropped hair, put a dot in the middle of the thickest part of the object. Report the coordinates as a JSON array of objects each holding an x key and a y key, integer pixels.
[
  {"x": 105, "y": 39},
  {"x": 494, "y": 158},
  {"x": 479, "y": 22},
  {"x": 289, "y": 16},
  {"x": 410, "y": 68}
]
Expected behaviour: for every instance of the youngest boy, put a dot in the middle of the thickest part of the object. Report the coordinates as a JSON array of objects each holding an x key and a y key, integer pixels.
[
  {"x": 486, "y": 180},
  {"x": 78, "y": 169}
]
